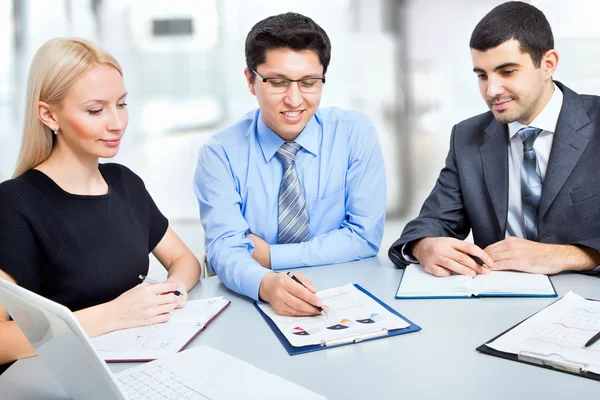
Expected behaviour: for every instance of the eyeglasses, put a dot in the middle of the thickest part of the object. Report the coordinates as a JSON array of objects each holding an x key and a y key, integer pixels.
[{"x": 282, "y": 85}]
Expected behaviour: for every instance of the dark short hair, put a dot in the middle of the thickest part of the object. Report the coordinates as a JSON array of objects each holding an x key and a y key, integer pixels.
[
  {"x": 514, "y": 20},
  {"x": 289, "y": 30}
]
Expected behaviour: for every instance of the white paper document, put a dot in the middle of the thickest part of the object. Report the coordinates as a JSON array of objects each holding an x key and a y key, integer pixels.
[
  {"x": 154, "y": 341},
  {"x": 418, "y": 283},
  {"x": 557, "y": 334},
  {"x": 352, "y": 314}
]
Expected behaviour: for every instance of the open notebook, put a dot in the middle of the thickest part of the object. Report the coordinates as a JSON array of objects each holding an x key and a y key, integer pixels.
[
  {"x": 147, "y": 343},
  {"x": 416, "y": 283}
]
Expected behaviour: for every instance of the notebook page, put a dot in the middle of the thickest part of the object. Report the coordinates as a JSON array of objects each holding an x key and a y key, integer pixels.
[
  {"x": 352, "y": 313},
  {"x": 510, "y": 282},
  {"x": 418, "y": 283},
  {"x": 155, "y": 341},
  {"x": 561, "y": 329}
]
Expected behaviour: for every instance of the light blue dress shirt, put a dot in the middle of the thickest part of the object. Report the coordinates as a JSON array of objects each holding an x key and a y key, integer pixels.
[{"x": 340, "y": 167}]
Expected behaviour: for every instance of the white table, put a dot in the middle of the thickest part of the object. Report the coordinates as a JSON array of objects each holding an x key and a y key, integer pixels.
[{"x": 438, "y": 362}]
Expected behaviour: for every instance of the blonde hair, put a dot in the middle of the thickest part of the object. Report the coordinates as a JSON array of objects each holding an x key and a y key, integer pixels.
[{"x": 54, "y": 69}]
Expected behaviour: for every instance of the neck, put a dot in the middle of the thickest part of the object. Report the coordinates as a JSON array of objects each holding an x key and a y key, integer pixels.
[{"x": 74, "y": 173}]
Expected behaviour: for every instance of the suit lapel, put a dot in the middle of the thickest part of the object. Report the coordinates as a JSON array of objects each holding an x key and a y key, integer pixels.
[
  {"x": 494, "y": 158},
  {"x": 567, "y": 147}
]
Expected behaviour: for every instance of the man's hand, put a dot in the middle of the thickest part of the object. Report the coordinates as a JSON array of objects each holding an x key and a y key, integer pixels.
[
  {"x": 262, "y": 250},
  {"x": 540, "y": 258},
  {"x": 441, "y": 256},
  {"x": 288, "y": 297}
]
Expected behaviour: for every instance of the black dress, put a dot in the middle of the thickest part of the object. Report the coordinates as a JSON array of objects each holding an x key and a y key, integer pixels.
[{"x": 77, "y": 250}]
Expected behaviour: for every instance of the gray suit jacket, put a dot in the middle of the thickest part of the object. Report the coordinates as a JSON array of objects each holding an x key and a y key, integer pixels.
[{"x": 472, "y": 189}]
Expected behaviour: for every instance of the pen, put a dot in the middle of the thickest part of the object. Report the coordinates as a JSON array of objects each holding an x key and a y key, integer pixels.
[
  {"x": 152, "y": 281},
  {"x": 303, "y": 285},
  {"x": 593, "y": 340},
  {"x": 479, "y": 261}
]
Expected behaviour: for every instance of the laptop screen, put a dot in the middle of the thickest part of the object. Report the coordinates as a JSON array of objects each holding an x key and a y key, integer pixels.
[{"x": 60, "y": 342}]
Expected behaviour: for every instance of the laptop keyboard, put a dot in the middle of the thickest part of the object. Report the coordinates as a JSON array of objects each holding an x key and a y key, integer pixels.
[{"x": 157, "y": 382}]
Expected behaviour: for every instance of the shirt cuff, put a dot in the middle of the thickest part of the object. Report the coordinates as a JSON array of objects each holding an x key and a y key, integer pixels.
[
  {"x": 407, "y": 256},
  {"x": 285, "y": 256},
  {"x": 251, "y": 279}
]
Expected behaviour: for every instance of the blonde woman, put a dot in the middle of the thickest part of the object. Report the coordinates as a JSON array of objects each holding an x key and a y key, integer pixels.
[{"x": 76, "y": 231}]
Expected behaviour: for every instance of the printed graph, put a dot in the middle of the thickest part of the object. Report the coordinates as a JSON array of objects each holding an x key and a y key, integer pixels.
[{"x": 571, "y": 331}]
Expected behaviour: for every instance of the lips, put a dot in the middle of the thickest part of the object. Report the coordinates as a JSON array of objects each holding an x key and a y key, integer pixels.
[
  {"x": 500, "y": 103},
  {"x": 111, "y": 142},
  {"x": 292, "y": 117}
]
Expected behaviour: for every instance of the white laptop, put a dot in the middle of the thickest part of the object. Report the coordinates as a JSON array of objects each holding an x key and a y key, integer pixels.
[{"x": 198, "y": 373}]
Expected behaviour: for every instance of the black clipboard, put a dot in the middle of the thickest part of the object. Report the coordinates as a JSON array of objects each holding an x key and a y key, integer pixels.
[{"x": 515, "y": 357}]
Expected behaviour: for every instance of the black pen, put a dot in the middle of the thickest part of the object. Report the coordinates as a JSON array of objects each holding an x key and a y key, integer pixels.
[
  {"x": 593, "y": 340},
  {"x": 479, "y": 261},
  {"x": 295, "y": 278},
  {"x": 152, "y": 281}
]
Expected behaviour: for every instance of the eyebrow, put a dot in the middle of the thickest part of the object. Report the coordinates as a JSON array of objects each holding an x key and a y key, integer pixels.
[
  {"x": 104, "y": 101},
  {"x": 499, "y": 67},
  {"x": 283, "y": 76}
]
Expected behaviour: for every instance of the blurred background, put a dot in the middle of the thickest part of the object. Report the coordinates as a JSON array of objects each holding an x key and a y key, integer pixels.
[{"x": 405, "y": 63}]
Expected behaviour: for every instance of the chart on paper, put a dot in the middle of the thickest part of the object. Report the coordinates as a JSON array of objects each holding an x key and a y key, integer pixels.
[
  {"x": 558, "y": 333},
  {"x": 351, "y": 313},
  {"x": 573, "y": 330}
]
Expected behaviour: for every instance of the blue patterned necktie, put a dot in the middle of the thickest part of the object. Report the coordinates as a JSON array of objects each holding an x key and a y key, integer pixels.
[
  {"x": 531, "y": 182},
  {"x": 293, "y": 217}
]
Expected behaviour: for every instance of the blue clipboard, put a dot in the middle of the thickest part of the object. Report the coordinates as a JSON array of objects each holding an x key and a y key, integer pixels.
[{"x": 292, "y": 351}]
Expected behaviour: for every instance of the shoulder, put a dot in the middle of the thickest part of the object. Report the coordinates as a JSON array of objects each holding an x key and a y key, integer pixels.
[
  {"x": 32, "y": 197},
  {"x": 124, "y": 183},
  {"x": 238, "y": 132},
  {"x": 354, "y": 126},
  {"x": 32, "y": 187},
  {"x": 591, "y": 104},
  {"x": 474, "y": 125},
  {"x": 230, "y": 140},
  {"x": 352, "y": 119},
  {"x": 118, "y": 173},
  {"x": 16, "y": 193}
]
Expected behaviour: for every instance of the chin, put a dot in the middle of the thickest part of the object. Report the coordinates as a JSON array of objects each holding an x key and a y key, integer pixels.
[
  {"x": 108, "y": 154},
  {"x": 504, "y": 118}
]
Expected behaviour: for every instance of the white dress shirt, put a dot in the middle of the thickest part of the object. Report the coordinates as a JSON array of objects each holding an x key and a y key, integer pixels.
[{"x": 546, "y": 120}]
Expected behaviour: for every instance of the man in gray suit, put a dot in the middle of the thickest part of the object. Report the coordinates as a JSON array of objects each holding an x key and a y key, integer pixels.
[{"x": 524, "y": 176}]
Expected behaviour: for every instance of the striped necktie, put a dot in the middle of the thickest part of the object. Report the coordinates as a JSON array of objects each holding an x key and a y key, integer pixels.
[
  {"x": 293, "y": 217},
  {"x": 531, "y": 182}
]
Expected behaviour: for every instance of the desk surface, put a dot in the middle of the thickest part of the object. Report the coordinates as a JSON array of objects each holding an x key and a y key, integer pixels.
[{"x": 438, "y": 362}]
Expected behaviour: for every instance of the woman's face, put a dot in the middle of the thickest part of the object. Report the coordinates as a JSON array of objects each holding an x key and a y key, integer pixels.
[{"x": 93, "y": 115}]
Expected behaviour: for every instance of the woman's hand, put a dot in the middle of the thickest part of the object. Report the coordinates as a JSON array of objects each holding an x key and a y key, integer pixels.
[
  {"x": 181, "y": 300},
  {"x": 145, "y": 304}
]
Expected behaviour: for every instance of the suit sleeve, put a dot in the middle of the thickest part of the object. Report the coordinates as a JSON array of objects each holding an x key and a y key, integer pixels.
[{"x": 443, "y": 213}]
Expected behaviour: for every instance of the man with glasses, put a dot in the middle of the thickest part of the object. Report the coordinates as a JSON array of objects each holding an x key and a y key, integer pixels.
[{"x": 290, "y": 185}]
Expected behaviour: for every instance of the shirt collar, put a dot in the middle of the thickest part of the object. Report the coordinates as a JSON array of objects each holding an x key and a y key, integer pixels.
[
  {"x": 547, "y": 119},
  {"x": 270, "y": 141}
]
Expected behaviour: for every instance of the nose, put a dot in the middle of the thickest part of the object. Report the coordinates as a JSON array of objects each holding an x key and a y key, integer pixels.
[
  {"x": 495, "y": 86},
  {"x": 118, "y": 119},
  {"x": 293, "y": 97}
]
